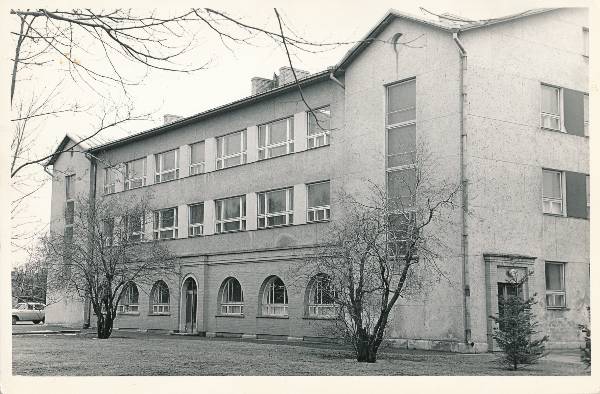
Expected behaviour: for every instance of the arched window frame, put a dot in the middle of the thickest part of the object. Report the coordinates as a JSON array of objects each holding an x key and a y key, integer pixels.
[
  {"x": 232, "y": 303},
  {"x": 129, "y": 300},
  {"x": 160, "y": 298},
  {"x": 273, "y": 304},
  {"x": 320, "y": 297}
]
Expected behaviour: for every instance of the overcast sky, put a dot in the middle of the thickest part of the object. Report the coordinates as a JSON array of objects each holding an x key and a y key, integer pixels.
[{"x": 227, "y": 77}]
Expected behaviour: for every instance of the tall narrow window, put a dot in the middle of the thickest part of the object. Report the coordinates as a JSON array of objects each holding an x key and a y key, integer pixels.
[
  {"x": 110, "y": 178},
  {"x": 231, "y": 150},
  {"x": 401, "y": 103},
  {"x": 321, "y": 302},
  {"x": 319, "y": 127},
  {"x": 555, "y": 285},
  {"x": 586, "y": 115},
  {"x": 165, "y": 223},
  {"x": 197, "y": 158},
  {"x": 276, "y": 138},
  {"x": 70, "y": 187},
  {"x": 275, "y": 208},
  {"x": 552, "y": 192},
  {"x": 587, "y": 194},
  {"x": 232, "y": 298},
  {"x": 134, "y": 225},
  {"x": 135, "y": 174},
  {"x": 401, "y": 188},
  {"x": 128, "y": 303},
  {"x": 108, "y": 229},
  {"x": 196, "y": 215},
  {"x": 275, "y": 298},
  {"x": 586, "y": 42},
  {"x": 551, "y": 108},
  {"x": 319, "y": 208},
  {"x": 160, "y": 298},
  {"x": 167, "y": 166},
  {"x": 231, "y": 214}
]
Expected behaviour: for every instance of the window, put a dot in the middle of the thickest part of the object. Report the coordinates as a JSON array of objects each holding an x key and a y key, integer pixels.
[
  {"x": 135, "y": 228},
  {"x": 110, "y": 178},
  {"x": 552, "y": 192},
  {"x": 167, "y": 166},
  {"x": 69, "y": 187},
  {"x": 231, "y": 214},
  {"x": 586, "y": 115},
  {"x": 165, "y": 223},
  {"x": 128, "y": 303},
  {"x": 197, "y": 158},
  {"x": 196, "y": 215},
  {"x": 321, "y": 301},
  {"x": 555, "y": 285},
  {"x": 160, "y": 298},
  {"x": 586, "y": 42},
  {"x": 276, "y": 208},
  {"x": 401, "y": 188},
  {"x": 231, "y": 150},
  {"x": 135, "y": 174},
  {"x": 276, "y": 138},
  {"x": 587, "y": 194},
  {"x": 551, "y": 108},
  {"x": 232, "y": 298},
  {"x": 401, "y": 146},
  {"x": 69, "y": 213},
  {"x": 402, "y": 230},
  {"x": 318, "y": 202},
  {"x": 275, "y": 299},
  {"x": 401, "y": 103},
  {"x": 108, "y": 228},
  {"x": 319, "y": 127}
]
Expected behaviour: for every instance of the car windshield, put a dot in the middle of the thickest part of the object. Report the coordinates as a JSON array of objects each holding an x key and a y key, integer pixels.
[
  {"x": 39, "y": 307},
  {"x": 21, "y": 306}
]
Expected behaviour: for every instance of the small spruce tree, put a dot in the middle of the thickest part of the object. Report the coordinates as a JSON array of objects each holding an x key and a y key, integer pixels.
[{"x": 516, "y": 330}]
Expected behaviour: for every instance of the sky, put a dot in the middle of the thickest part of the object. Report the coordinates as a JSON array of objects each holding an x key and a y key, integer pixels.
[{"x": 227, "y": 76}]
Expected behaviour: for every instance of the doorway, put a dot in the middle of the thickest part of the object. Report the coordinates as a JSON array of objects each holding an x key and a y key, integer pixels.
[{"x": 190, "y": 292}]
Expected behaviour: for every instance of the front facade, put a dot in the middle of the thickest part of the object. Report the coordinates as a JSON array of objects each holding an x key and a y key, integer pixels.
[{"x": 244, "y": 191}]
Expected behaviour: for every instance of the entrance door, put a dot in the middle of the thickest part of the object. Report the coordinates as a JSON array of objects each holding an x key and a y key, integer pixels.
[{"x": 191, "y": 299}]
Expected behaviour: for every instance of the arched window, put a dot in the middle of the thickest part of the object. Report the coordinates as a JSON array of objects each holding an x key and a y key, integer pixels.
[
  {"x": 160, "y": 297},
  {"x": 275, "y": 298},
  {"x": 321, "y": 299},
  {"x": 129, "y": 299},
  {"x": 232, "y": 297}
]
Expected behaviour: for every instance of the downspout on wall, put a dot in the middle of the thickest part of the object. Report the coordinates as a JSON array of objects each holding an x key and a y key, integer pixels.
[
  {"x": 87, "y": 312},
  {"x": 464, "y": 191}
]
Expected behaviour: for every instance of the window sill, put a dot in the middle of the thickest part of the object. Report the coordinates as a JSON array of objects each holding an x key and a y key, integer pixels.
[
  {"x": 232, "y": 315},
  {"x": 170, "y": 180},
  {"x": 160, "y": 314},
  {"x": 278, "y": 226},
  {"x": 555, "y": 130},
  {"x": 319, "y": 318},
  {"x": 272, "y": 317},
  {"x": 129, "y": 313},
  {"x": 557, "y": 308},
  {"x": 317, "y": 147},
  {"x": 558, "y": 215},
  {"x": 318, "y": 221}
]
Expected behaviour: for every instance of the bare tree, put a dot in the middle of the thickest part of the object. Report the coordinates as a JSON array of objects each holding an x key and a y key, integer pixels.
[
  {"x": 379, "y": 249},
  {"x": 29, "y": 283},
  {"x": 104, "y": 248}
]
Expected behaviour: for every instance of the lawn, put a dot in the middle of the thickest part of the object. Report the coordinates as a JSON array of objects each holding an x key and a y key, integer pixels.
[{"x": 145, "y": 354}]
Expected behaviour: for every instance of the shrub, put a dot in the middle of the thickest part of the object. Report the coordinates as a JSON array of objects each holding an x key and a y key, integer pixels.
[{"x": 586, "y": 351}]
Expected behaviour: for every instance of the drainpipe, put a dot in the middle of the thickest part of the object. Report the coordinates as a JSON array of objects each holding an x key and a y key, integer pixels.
[
  {"x": 464, "y": 191},
  {"x": 92, "y": 200},
  {"x": 334, "y": 79}
]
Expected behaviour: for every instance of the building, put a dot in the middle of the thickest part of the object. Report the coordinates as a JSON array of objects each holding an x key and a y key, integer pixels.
[{"x": 503, "y": 108}]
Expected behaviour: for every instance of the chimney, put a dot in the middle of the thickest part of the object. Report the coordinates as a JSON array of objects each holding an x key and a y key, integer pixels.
[
  {"x": 168, "y": 118},
  {"x": 286, "y": 76}
]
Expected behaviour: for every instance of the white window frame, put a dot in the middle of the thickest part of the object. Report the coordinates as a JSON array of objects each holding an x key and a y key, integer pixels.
[
  {"x": 229, "y": 307},
  {"x": 264, "y": 152},
  {"x": 158, "y": 307},
  {"x": 315, "y": 211},
  {"x": 556, "y": 294},
  {"x": 586, "y": 122},
  {"x": 312, "y": 139},
  {"x": 288, "y": 213},
  {"x": 128, "y": 181},
  {"x": 220, "y": 223},
  {"x": 195, "y": 229},
  {"x": 109, "y": 188},
  {"x": 158, "y": 230},
  {"x": 160, "y": 174},
  {"x": 320, "y": 309},
  {"x": 69, "y": 187},
  {"x": 559, "y": 116},
  {"x": 221, "y": 157},
  {"x": 129, "y": 307},
  {"x": 199, "y": 167},
  {"x": 551, "y": 200},
  {"x": 388, "y": 112},
  {"x": 141, "y": 232},
  {"x": 269, "y": 307}
]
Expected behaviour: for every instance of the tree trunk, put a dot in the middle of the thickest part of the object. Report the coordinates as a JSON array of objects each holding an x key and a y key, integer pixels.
[
  {"x": 365, "y": 352},
  {"x": 105, "y": 326}
]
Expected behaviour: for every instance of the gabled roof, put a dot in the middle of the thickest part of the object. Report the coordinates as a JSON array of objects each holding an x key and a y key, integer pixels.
[
  {"x": 447, "y": 22},
  {"x": 63, "y": 144}
]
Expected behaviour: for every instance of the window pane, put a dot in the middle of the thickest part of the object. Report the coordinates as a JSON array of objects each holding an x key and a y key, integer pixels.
[
  {"x": 233, "y": 161},
  {"x": 586, "y": 108},
  {"x": 197, "y": 152},
  {"x": 318, "y": 194},
  {"x": 323, "y": 117},
  {"x": 554, "y": 277},
  {"x": 197, "y": 213},
  {"x": 278, "y": 151},
  {"x": 262, "y": 135},
  {"x": 168, "y": 161},
  {"x": 231, "y": 226},
  {"x": 233, "y": 143},
  {"x": 69, "y": 186},
  {"x": 552, "y": 184},
  {"x": 402, "y": 96},
  {"x": 276, "y": 201},
  {"x": 401, "y": 144},
  {"x": 70, "y": 212},
  {"x": 278, "y": 131},
  {"x": 550, "y": 100},
  {"x": 230, "y": 208},
  {"x": 167, "y": 218},
  {"x": 401, "y": 184}
]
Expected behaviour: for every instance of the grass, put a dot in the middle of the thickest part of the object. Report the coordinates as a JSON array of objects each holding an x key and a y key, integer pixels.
[{"x": 133, "y": 354}]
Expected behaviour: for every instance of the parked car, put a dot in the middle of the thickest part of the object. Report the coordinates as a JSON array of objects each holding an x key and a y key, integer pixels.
[{"x": 29, "y": 311}]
